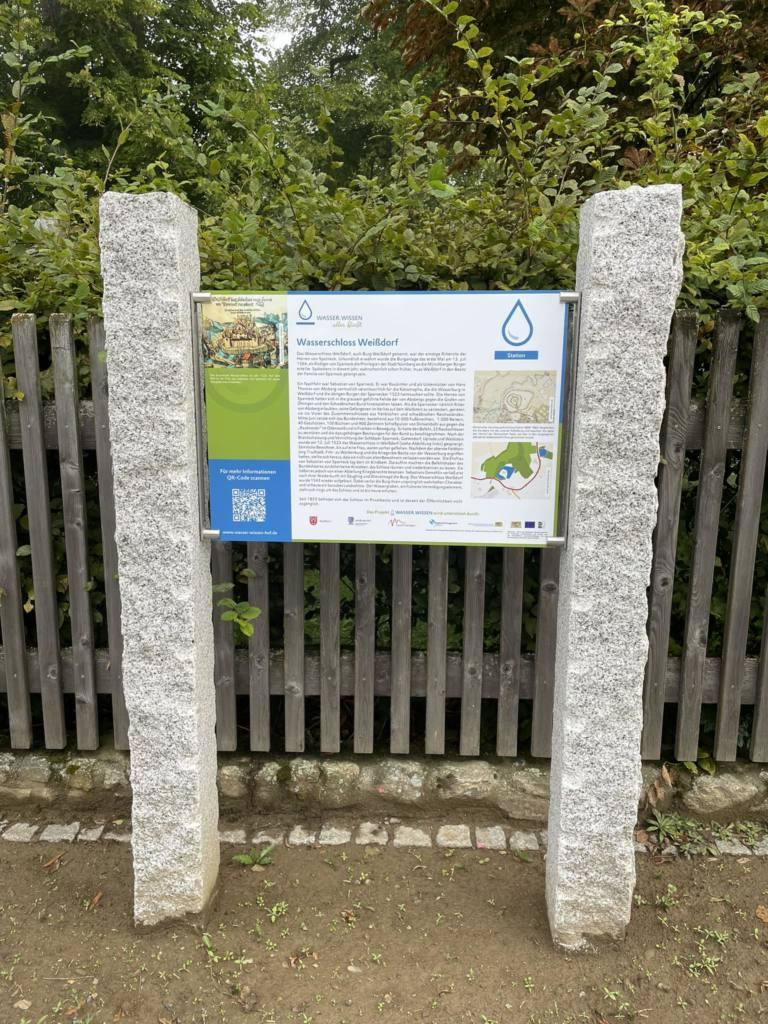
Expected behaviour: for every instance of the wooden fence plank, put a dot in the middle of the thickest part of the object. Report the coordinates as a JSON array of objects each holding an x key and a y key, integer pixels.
[
  {"x": 11, "y": 610},
  {"x": 758, "y": 750},
  {"x": 293, "y": 632},
  {"x": 257, "y": 556},
  {"x": 400, "y": 705},
  {"x": 474, "y": 619},
  {"x": 223, "y": 649},
  {"x": 86, "y": 416},
  {"x": 99, "y": 386},
  {"x": 365, "y": 645},
  {"x": 437, "y": 639},
  {"x": 330, "y": 652},
  {"x": 708, "y": 498},
  {"x": 39, "y": 516},
  {"x": 509, "y": 651},
  {"x": 745, "y": 533},
  {"x": 682, "y": 352},
  {"x": 75, "y": 530},
  {"x": 694, "y": 438},
  {"x": 546, "y": 635}
]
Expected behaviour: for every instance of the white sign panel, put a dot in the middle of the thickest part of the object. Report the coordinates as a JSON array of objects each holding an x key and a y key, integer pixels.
[{"x": 412, "y": 417}]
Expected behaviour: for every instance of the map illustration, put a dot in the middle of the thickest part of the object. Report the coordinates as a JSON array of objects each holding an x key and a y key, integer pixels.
[
  {"x": 514, "y": 396},
  {"x": 519, "y": 469}
]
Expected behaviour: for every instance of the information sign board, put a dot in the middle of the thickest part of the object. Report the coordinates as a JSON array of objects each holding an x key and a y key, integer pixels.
[{"x": 394, "y": 417}]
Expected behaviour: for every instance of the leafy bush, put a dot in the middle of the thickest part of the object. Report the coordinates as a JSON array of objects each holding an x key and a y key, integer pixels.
[{"x": 475, "y": 186}]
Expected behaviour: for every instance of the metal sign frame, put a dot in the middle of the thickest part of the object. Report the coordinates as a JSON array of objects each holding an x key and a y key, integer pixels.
[{"x": 572, "y": 299}]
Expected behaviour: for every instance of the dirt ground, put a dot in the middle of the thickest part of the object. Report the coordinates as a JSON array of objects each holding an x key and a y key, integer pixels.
[{"x": 369, "y": 934}]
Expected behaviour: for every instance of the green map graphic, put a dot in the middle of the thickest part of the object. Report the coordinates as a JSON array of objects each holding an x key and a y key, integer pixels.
[{"x": 517, "y": 454}]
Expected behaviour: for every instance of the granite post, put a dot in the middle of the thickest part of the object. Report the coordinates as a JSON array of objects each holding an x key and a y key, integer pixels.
[
  {"x": 629, "y": 273},
  {"x": 150, "y": 264}
]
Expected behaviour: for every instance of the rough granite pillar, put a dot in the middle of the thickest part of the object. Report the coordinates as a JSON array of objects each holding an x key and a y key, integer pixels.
[
  {"x": 629, "y": 274},
  {"x": 150, "y": 264}
]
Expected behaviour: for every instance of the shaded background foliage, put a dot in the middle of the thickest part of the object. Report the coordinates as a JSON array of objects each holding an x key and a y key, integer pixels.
[{"x": 393, "y": 145}]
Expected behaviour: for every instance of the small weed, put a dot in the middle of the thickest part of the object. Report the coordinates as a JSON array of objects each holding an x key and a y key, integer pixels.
[
  {"x": 695, "y": 837},
  {"x": 669, "y": 898},
  {"x": 262, "y": 858},
  {"x": 277, "y": 911}
]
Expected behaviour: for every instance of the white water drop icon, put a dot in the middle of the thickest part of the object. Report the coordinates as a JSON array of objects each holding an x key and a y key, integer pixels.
[
  {"x": 305, "y": 311},
  {"x": 517, "y": 328}
]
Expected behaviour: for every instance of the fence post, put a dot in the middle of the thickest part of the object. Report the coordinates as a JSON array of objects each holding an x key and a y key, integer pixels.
[
  {"x": 629, "y": 275},
  {"x": 150, "y": 264}
]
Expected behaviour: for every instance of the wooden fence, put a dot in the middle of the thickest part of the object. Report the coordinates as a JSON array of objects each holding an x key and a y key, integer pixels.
[{"x": 261, "y": 674}]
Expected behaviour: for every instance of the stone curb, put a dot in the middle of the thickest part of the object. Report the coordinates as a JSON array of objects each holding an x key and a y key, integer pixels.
[{"x": 484, "y": 838}]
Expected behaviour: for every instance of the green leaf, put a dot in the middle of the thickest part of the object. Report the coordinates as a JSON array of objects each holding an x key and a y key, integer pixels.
[
  {"x": 228, "y": 616},
  {"x": 24, "y": 550},
  {"x": 221, "y": 588}
]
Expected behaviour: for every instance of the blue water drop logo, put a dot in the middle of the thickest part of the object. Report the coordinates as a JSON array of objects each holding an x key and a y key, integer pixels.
[
  {"x": 305, "y": 311},
  {"x": 517, "y": 329}
]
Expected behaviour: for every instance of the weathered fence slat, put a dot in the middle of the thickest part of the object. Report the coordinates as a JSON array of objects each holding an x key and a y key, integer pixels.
[
  {"x": 758, "y": 749},
  {"x": 330, "y": 652},
  {"x": 682, "y": 352},
  {"x": 437, "y": 639},
  {"x": 546, "y": 634},
  {"x": 400, "y": 701},
  {"x": 509, "y": 651},
  {"x": 694, "y": 438},
  {"x": 24, "y": 333},
  {"x": 257, "y": 558},
  {"x": 11, "y": 611},
  {"x": 224, "y": 648},
  {"x": 472, "y": 676},
  {"x": 293, "y": 632},
  {"x": 365, "y": 645},
  {"x": 99, "y": 385},
  {"x": 708, "y": 499},
  {"x": 745, "y": 533},
  {"x": 75, "y": 530}
]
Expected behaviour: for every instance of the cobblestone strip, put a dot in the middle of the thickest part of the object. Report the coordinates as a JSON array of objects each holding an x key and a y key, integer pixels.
[{"x": 416, "y": 835}]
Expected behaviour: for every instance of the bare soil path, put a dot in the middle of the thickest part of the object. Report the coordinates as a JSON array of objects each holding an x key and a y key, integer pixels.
[{"x": 374, "y": 934}]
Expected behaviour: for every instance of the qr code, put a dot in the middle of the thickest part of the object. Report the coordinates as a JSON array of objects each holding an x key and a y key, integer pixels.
[{"x": 249, "y": 506}]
